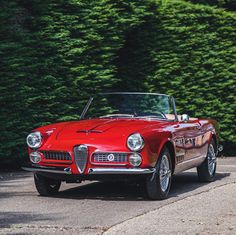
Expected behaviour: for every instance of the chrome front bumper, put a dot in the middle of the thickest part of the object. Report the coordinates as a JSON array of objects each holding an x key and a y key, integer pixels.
[
  {"x": 95, "y": 171},
  {"x": 134, "y": 171},
  {"x": 66, "y": 171}
]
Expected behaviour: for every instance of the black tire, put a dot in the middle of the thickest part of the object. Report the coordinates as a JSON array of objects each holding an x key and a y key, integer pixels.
[
  {"x": 206, "y": 173},
  {"x": 153, "y": 182},
  {"x": 46, "y": 186}
]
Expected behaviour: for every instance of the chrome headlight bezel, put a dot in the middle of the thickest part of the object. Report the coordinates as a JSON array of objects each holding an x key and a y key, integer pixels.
[
  {"x": 34, "y": 140},
  {"x": 35, "y": 157},
  {"x": 135, "y": 142},
  {"x": 135, "y": 159}
]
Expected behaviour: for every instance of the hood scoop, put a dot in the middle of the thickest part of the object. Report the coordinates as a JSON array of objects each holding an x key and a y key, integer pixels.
[
  {"x": 93, "y": 129},
  {"x": 89, "y": 131}
]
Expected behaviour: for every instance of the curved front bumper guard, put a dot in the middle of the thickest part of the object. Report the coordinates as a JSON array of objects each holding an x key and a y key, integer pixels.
[
  {"x": 133, "y": 171},
  {"x": 95, "y": 171}
]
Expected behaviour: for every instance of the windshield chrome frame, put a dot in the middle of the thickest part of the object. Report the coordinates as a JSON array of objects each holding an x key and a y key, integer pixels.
[
  {"x": 172, "y": 101},
  {"x": 86, "y": 107}
]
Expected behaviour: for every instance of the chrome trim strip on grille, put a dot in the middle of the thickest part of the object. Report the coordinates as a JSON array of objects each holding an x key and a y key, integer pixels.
[
  {"x": 98, "y": 171},
  {"x": 112, "y": 163},
  {"x": 80, "y": 157},
  {"x": 65, "y": 171}
]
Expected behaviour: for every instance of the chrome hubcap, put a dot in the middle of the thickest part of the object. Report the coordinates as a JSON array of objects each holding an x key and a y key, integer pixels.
[
  {"x": 165, "y": 173},
  {"x": 211, "y": 159}
]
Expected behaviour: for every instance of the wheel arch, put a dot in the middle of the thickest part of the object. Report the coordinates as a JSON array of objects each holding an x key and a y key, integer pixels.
[
  {"x": 170, "y": 146},
  {"x": 214, "y": 138},
  {"x": 216, "y": 141}
]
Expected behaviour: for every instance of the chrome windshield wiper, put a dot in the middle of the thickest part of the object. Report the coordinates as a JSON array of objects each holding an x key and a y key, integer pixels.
[
  {"x": 117, "y": 115},
  {"x": 151, "y": 117}
]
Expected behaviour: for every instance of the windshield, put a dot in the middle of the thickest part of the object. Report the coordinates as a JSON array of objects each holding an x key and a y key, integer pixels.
[{"x": 130, "y": 105}]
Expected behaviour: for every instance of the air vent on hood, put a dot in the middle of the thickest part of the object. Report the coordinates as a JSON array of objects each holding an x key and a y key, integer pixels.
[{"x": 89, "y": 131}]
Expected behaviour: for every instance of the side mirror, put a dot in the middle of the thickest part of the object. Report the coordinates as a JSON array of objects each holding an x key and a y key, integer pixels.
[{"x": 185, "y": 117}]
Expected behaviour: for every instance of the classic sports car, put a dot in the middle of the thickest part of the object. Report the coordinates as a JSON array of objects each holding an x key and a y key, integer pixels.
[{"x": 131, "y": 136}]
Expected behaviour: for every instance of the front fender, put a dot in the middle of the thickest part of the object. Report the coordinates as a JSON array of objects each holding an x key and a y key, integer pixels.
[{"x": 155, "y": 144}]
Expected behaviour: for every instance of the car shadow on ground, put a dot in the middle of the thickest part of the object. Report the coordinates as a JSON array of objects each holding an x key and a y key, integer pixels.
[
  {"x": 15, "y": 175},
  {"x": 7, "y": 219},
  {"x": 182, "y": 183}
]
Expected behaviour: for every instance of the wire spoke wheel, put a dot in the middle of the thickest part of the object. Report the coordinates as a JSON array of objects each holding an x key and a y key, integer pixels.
[
  {"x": 158, "y": 185},
  {"x": 206, "y": 171},
  {"x": 164, "y": 173},
  {"x": 211, "y": 156}
]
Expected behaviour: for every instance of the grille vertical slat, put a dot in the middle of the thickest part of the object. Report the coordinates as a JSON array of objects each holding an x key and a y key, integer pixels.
[
  {"x": 56, "y": 155},
  {"x": 81, "y": 155}
]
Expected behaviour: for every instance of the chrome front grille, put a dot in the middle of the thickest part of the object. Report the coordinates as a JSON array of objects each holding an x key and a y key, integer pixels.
[
  {"x": 56, "y": 155},
  {"x": 100, "y": 157},
  {"x": 81, "y": 155}
]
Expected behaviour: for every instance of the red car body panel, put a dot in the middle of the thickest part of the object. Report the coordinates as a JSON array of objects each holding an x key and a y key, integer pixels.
[{"x": 188, "y": 140}]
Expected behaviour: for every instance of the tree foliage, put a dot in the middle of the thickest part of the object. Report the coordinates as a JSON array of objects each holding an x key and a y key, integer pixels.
[
  {"x": 54, "y": 54},
  {"x": 187, "y": 51},
  {"x": 227, "y": 4}
]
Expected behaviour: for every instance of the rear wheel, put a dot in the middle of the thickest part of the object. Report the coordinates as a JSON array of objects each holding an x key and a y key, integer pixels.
[
  {"x": 158, "y": 185},
  {"x": 206, "y": 171},
  {"x": 46, "y": 186}
]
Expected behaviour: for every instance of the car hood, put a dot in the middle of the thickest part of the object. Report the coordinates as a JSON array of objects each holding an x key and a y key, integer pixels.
[{"x": 103, "y": 127}]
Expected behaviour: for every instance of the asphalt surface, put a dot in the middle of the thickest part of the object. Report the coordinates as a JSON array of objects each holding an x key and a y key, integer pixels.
[{"x": 118, "y": 208}]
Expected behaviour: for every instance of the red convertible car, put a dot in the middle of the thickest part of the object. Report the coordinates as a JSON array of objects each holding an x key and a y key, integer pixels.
[{"x": 129, "y": 135}]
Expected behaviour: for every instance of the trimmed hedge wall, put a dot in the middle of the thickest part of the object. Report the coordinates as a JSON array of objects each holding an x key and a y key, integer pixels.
[
  {"x": 187, "y": 51},
  {"x": 55, "y": 54},
  {"x": 227, "y": 4}
]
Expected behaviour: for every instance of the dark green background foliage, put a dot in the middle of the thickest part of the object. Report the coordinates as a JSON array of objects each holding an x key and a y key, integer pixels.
[
  {"x": 187, "y": 51},
  {"x": 55, "y": 53},
  {"x": 227, "y": 4}
]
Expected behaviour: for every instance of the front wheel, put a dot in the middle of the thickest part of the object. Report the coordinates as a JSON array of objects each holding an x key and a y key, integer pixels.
[
  {"x": 46, "y": 186},
  {"x": 158, "y": 185},
  {"x": 206, "y": 171}
]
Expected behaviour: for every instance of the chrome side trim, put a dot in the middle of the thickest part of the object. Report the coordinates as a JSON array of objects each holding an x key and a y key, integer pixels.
[
  {"x": 133, "y": 171},
  {"x": 66, "y": 171},
  {"x": 188, "y": 164}
]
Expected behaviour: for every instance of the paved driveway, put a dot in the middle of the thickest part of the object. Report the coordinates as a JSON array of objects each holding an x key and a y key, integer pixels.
[{"x": 117, "y": 208}]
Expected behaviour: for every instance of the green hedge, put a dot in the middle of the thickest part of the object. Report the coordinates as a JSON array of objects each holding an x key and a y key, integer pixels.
[
  {"x": 227, "y": 4},
  {"x": 188, "y": 51},
  {"x": 55, "y": 53}
]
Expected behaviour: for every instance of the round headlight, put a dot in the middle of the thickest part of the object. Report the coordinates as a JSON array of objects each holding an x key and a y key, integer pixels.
[
  {"x": 34, "y": 140},
  {"x": 135, "y": 142},
  {"x": 35, "y": 157},
  {"x": 135, "y": 159}
]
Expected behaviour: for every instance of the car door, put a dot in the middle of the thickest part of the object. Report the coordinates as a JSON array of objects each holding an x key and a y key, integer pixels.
[
  {"x": 193, "y": 140},
  {"x": 188, "y": 141}
]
